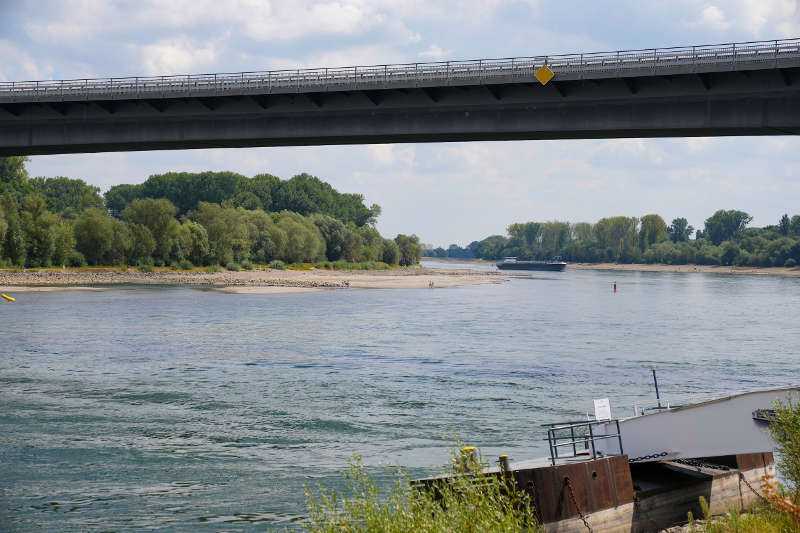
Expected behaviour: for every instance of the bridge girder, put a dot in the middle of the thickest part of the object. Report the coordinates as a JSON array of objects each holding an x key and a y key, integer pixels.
[{"x": 755, "y": 102}]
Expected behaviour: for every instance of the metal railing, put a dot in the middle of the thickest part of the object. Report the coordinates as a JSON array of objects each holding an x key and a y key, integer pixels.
[
  {"x": 732, "y": 56},
  {"x": 579, "y": 437}
]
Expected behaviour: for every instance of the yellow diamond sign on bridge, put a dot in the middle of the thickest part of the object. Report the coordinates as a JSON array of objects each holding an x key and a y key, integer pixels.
[{"x": 544, "y": 74}]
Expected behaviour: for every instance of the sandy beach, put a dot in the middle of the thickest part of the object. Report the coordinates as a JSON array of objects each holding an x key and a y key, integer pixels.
[
  {"x": 703, "y": 269},
  {"x": 245, "y": 282}
]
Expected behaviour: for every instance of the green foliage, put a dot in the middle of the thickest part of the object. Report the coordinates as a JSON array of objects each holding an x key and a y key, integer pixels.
[
  {"x": 410, "y": 249},
  {"x": 185, "y": 264},
  {"x": 157, "y": 215},
  {"x": 277, "y": 265},
  {"x": 68, "y": 194},
  {"x": 76, "y": 259},
  {"x": 725, "y": 225},
  {"x": 39, "y": 229},
  {"x": 464, "y": 502},
  {"x": 304, "y": 194},
  {"x": 247, "y": 265},
  {"x": 234, "y": 267},
  {"x": 14, "y": 176},
  {"x": 785, "y": 432},
  {"x": 680, "y": 230},
  {"x": 14, "y": 243},
  {"x": 214, "y": 268},
  {"x": 94, "y": 234}
]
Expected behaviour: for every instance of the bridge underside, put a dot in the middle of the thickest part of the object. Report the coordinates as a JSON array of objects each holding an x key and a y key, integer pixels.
[{"x": 755, "y": 102}]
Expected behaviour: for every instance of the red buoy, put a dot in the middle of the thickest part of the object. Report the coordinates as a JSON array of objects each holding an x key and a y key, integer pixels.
[{"x": 615, "y": 286}]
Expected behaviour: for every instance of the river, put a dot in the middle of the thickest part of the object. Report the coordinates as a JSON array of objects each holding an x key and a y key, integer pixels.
[{"x": 192, "y": 410}]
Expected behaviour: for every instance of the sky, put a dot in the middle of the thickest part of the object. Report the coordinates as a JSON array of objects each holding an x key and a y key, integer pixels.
[{"x": 443, "y": 192}]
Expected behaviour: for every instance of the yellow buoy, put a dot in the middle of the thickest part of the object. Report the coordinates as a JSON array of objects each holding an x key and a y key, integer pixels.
[{"x": 7, "y": 297}]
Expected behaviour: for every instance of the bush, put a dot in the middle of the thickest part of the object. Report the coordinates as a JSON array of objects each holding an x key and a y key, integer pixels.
[
  {"x": 785, "y": 431},
  {"x": 214, "y": 268},
  {"x": 235, "y": 267},
  {"x": 247, "y": 265},
  {"x": 277, "y": 265},
  {"x": 790, "y": 263},
  {"x": 459, "y": 504},
  {"x": 174, "y": 265},
  {"x": 76, "y": 259},
  {"x": 144, "y": 267},
  {"x": 185, "y": 264}
]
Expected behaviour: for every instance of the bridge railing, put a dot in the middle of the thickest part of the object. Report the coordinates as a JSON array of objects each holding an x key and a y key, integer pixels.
[{"x": 749, "y": 55}]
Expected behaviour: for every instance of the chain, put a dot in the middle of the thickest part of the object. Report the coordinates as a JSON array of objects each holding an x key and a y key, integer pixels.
[
  {"x": 568, "y": 483},
  {"x": 645, "y": 457},
  {"x": 749, "y": 486},
  {"x": 701, "y": 464}
]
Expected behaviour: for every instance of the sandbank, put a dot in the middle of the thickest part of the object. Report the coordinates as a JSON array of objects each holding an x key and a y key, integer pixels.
[
  {"x": 701, "y": 269},
  {"x": 245, "y": 282}
]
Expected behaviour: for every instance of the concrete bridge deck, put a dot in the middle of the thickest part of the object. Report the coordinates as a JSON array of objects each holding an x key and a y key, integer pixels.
[{"x": 732, "y": 89}]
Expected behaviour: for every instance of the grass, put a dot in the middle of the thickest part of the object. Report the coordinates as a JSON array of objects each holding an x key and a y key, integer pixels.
[{"x": 465, "y": 502}]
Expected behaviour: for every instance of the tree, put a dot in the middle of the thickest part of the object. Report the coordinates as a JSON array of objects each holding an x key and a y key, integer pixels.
[
  {"x": 410, "y": 250},
  {"x": 617, "y": 237},
  {"x": 65, "y": 193},
  {"x": 680, "y": 230},
  {"x": 14, "y": 176},
  {"x": 653, "y": 229},
  {"x": 390, "y": 252},
  {"x": 334, "y": 233},
  {"x": 195, "y": 239},
  {"x": 142, "y": 245},
  {"x": 119, "y": 196},
  {"x": 794, "y": 225},
  {"x": 491, "y": 247},
  {"x": 783, "y": 224},
  {"x": 94, "y": 234},
  {"x": 14, "y": 244},
  {"x": 38, "y": 226},
  {"x": 158, "y": 216},
  {"x": 725, "y": 225},
  {"x": 64, "y": 243},
  {"x": 228, "y": 238}
]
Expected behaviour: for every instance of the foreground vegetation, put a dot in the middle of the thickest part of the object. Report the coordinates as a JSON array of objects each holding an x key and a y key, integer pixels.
[
  {"x": 486, "y": 504},
  {"x": 185, "y": 219},
  {"x": 724, "y": 240},
  {"x": 466, "y": 503},
  {"x": 779, "y": 508}
]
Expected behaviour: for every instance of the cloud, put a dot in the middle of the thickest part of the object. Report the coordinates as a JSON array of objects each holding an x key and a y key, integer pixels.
[
  {"x": 757, "y": 18},
  {"x": 177, "y": 56},
  {"x": 17, "y": 64},
  {"x": 435, "y": 52}
]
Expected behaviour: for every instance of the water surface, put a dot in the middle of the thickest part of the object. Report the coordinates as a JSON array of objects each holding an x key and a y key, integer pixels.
[{"x": 191, "y": 410}]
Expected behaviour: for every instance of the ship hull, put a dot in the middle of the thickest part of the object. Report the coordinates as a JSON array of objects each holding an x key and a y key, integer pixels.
[{"x": 521, "y": 265}]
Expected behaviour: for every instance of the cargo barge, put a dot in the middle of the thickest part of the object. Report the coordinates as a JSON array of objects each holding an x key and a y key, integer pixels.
[
  {"x": 645, "y": 473},
  {"x": 512, "y": 263}
]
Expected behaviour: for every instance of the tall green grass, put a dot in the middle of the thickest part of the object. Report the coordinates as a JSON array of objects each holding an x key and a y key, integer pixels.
[{"x": 467, "y": 502}]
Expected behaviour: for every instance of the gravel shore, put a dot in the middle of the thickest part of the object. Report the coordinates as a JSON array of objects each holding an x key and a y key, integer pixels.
[{"x": 55, "y": 279}]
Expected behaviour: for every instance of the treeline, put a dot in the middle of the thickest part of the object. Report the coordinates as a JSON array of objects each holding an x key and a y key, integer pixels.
[
  {"x": 183, "y": 219},
  {"x": 724, "y": 240}
]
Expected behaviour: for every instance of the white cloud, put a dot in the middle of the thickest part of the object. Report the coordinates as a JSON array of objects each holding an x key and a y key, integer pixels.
[
  {"x": 392, "y": 154},
  {"x": 435, "y": 52},
  {"x": 757, "y": 18},
  {"x": 714, "y": 17},
  {"x": 178, "y": 56},
  {"x": 16, "y": 64}
]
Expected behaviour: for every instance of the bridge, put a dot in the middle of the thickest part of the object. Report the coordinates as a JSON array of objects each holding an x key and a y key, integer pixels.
[{"x": 748, "y": 88}]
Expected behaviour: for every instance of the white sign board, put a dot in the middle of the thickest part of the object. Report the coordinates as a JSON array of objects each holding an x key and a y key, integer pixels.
[{"x": 602, "y": 409}]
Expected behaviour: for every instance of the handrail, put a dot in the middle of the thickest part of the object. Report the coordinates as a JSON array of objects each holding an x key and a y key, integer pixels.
[
  {"x": 649, "y": 61},
  {"x": 586, "y": 437}
]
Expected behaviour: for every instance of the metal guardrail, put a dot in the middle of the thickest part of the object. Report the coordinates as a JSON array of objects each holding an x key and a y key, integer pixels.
[
  {"x": 575, "y": 435},
  {"x": 732, "y": 56}
]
